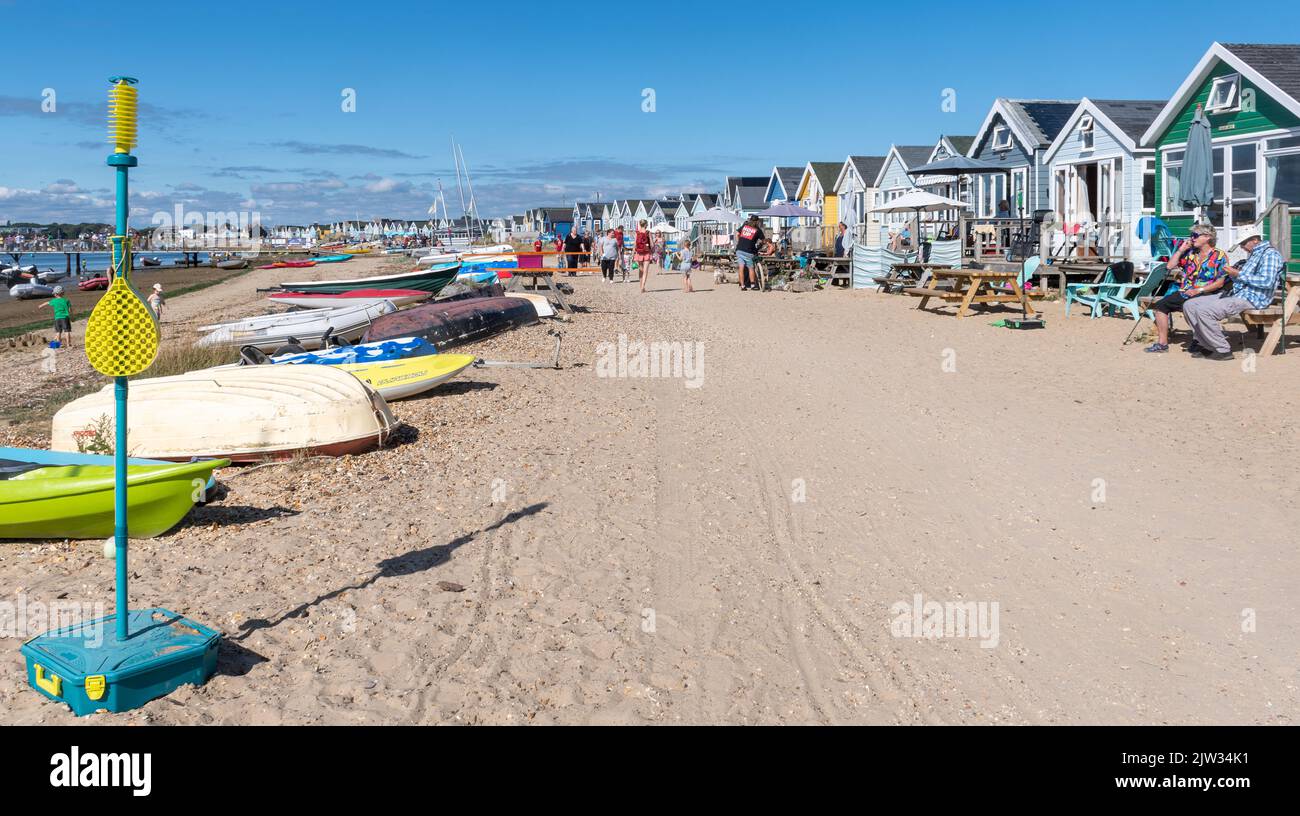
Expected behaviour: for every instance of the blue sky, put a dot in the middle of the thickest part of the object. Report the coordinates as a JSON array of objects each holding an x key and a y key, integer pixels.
[{"x": 242, "y": 104}]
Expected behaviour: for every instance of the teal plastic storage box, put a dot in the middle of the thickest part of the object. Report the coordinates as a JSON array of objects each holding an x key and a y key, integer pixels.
[{"x": 86, "y": 667}]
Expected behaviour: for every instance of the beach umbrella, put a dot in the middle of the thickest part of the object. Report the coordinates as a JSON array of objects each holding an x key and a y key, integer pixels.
[
  {"x": 919, "y": 201},
  {"x": 1196, "y": 177},
  {"x": 664, "y": 228},
  {"x": 788, "y": 211},
  {"x": 956, "y": 166},
  {"x": 717, "y": 215}
]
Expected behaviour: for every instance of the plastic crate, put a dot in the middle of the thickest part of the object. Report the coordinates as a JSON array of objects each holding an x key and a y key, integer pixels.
[{"x": 87, "y": 668}]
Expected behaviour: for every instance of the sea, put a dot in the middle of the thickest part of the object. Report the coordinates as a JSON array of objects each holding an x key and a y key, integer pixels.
[{"x": 93, "y": 261}]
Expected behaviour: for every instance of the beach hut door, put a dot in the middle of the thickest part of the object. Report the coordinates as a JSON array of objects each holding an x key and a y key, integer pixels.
[{"x": 1236, "y": 189}]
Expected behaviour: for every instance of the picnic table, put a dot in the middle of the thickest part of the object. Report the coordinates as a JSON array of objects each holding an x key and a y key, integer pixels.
[
  {"x": 837, "y": 265},
  {"x": 1273, "y": 315},
  {"x": 905, "y": 274},
  {"x": 536, "y": 277},
  {"x": 970, "y": 286}
]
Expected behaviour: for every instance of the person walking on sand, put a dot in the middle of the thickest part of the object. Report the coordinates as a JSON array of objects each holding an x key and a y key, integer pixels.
[
  {"x": 684, "y": 261},
  {"x": 157, "y": 301},
  {"x": 609, "y": 252},
  {"x": 62, "y": 308},
  {"x": 642, "y": 252},
  {"x": 622, "y": 257},
  {"x": 572, "y": 252}
]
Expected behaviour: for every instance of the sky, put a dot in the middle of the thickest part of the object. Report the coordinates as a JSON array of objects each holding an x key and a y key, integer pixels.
[{"x": 244, "y": 105}]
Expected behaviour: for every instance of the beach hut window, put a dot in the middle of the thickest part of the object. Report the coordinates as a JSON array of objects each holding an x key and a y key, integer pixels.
[
  {"x": 1001, "y": 138},
  {"x": 1085, "y": 133},
  {"x": 1172, "y": 165},
  {"x": 1282, "y": 170},
  {"x": 1148, "y": 185},
  {"x": 1223, "y": 94}
]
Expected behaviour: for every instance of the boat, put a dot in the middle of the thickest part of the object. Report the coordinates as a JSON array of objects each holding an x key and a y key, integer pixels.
[
  {"x": 288, "y": 265},
  {"x": 94, "y": 284},
  {"x": 454, "y": 323},
  {"x": 542, "y": 306},
  {"x": 42, "y": 500},
  {"x": 233, "y": 263},
  {"x": 307, "y": 329},
  {"x": 50, "y": 276},
  {"x": 244, "y": 414},
  {"x": 430, "y": 280},
  {"x": 30, "y": 291},
  {"x": 319, "y": 300},
  {"x": 331, "y": 258},
  {"x": 397, "y": 369},
  {"x": 436, "y": 259},
  {"x": 151, "y": 262},
  {"x": 357, "y": 250},
  {"x": 46, "y": 457}
]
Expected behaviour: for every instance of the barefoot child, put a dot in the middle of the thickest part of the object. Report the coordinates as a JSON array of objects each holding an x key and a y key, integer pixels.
[
  {"x": 62, "y": 316},
  {"x": 684, "y": 261}
]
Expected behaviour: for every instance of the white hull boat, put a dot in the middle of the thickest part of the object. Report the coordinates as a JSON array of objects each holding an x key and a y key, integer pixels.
[
  {"x": 308, "y": 328},
  {"x": 245, "y": 414}
]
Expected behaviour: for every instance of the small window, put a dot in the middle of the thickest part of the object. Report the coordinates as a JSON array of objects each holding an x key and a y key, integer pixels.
[
  {"x": 1085, "y": 133},
  {"x": 1224, "y": 94},
  {"x": 1001, "y": 138}
]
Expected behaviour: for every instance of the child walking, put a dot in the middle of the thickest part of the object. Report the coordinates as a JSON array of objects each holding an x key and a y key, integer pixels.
[{"x": 62, "y": 316}]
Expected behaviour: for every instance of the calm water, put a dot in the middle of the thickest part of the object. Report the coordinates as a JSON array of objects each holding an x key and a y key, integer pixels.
[{"x": 94, "y": 261}]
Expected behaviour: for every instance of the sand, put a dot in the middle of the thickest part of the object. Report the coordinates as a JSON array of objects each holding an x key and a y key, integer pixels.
[{"x": 634, "y": 550}]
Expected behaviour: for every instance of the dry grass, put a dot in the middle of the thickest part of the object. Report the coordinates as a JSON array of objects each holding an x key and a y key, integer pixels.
[{"x": 180, "y": 357}]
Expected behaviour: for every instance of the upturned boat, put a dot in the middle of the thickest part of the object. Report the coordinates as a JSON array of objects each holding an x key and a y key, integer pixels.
[
  {"x": 243, "y": 413},
  {"x": 359, "y": 297},
  {"x": 430, "y": 280},
  {"x": 309, "y": 328},
  {"x": 454, "y": 323}
]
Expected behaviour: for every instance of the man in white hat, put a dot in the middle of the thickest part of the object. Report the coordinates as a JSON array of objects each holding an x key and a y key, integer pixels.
[{"x": 1253, "y": 285}]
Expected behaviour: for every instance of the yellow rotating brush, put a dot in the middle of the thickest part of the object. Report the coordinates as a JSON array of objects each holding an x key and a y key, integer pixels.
[{"x": 122, "y": 333}]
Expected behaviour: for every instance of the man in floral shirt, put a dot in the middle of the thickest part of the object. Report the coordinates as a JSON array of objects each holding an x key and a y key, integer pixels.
[
  {"x": 1203, "y": 269},
  {"x": 1253, "y": 286}
]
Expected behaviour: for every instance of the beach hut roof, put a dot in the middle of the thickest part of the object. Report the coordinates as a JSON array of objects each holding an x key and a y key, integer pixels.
[
  {"x": 788, "y": 179},
  {"x": 909, "y": 155},
  {"x": 1035, "y": 122},
  {"x": 867, "y": 168},
  {"x": 826, "y": 173},
  {"x": 1274, "y": 69},
  {"x": 1126, "y": 119},
  {"x": 960, "y": 144}
]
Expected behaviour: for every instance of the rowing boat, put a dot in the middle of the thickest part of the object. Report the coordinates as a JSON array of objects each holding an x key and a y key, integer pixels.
[
  {"x": 359, "y": 297},
  {"x": 430, "y": 280},
  {"x": 308, "y": 328},
  {"x": 244, "y": 413},
  {"x": 454, "y": 323}
]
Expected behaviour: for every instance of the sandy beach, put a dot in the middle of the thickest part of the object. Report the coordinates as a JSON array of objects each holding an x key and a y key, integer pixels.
[{"x": 546, "y": 546}]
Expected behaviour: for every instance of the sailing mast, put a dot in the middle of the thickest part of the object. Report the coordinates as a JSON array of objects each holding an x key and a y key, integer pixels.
[{"x": 473, "y": 205}]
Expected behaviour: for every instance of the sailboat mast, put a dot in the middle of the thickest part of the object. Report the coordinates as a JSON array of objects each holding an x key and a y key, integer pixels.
[{"x": 469, "y": 182}]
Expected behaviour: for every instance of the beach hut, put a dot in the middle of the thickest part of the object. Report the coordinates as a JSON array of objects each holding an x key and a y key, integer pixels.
[
  {"x": 745, "y": 194},
  {"x": 1251, "y": 95},
  {"x": 1015, "y": 135},
  {"x": 783, "y": 185},
  {"x": 817, "y": 193},
  {"x": 893, "y": 181},
  {"x": 1102, "y": 179},
  {"x": 855, "y": 189}
]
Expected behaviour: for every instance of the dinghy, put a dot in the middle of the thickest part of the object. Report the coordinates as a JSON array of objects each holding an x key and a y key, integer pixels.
[
  {"x": 308, "y": 328},
  {"x": 397, "y": 369},
  {"x": 151, "y": 261},
  {"x": 436, "y": 259},
  {"x": 43, "y": 500},
  {"x": 30, "y": 291},
  {"x": 540, "y": 303},
  {"x": 244, "y": 413},
  {"x": 454, "y": 323},
  {"x": 233, "y": 263},
  {"x": 94, "y": 284},
  {"x": 360, "y": 297},
  {"x": 430, "y": 280}
]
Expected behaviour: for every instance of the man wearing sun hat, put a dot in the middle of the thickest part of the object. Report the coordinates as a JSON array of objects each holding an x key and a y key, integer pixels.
[{"x": 1253, "y": 285}]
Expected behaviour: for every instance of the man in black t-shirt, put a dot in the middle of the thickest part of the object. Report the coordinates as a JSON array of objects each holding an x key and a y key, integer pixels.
[
  {"x": 748, "y": 240},
  {"x": 572, "y": 249}
]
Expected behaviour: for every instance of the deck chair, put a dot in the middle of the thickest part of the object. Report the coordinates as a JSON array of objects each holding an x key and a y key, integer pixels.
[
  {"x": 1094, "y": 295},
  {"x": 1128, "y": 297}
]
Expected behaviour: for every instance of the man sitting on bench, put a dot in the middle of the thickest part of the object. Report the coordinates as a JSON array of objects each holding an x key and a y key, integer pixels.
[{"x": 1253, "y": 286}]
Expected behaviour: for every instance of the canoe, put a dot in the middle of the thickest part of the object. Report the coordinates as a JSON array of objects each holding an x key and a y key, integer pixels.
[
  {"x": 359, "y": 297},
  {"x": 331, "y": 258},
  {"x": 30, "y": 291},
  {"x": 288, "y": 265},
  {"x": 245, "y": 414},
  {"x": 430, "y": 280},
  {"x": 269, "y": 332},
  {"x": 46, "y": 457},
  {"x": 94, "y": 284},
  {"x": 76, "y": 501},
  {"x": 542, "y": 306},
  {"x": 454, "y": 323}
]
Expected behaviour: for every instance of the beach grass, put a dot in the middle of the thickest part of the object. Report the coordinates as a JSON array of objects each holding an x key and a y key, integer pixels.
[{"x": 178, "y": 358}]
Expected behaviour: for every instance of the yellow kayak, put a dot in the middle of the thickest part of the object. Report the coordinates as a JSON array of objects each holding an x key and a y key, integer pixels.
[{"x": 399, "y": 379}]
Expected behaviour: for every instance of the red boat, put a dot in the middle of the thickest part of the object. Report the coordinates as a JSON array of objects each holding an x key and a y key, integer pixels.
[
  {"x": 288, "y": 265},
  {"x": 94, "y": 284}
]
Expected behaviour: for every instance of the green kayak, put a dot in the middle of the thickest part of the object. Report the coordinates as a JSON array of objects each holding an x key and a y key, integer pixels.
[{"x": 76, "y": 501}]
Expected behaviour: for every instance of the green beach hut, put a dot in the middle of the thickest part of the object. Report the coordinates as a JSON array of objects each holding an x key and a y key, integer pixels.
[{"x": 1251, "y": 96}]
